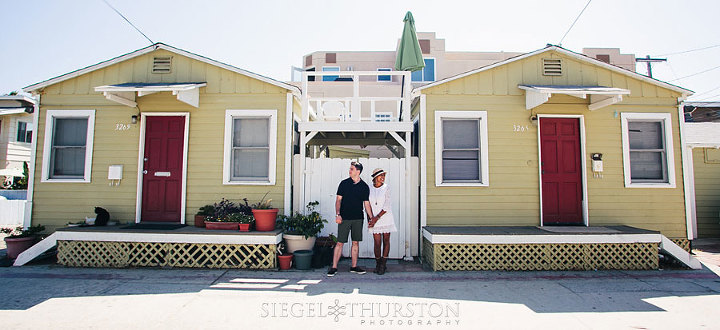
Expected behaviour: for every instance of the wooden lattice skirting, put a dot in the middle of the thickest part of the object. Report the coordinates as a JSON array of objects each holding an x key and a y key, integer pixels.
[
  {"x": 140, "y": 254},
  {"x": 684, "y": 243},
  {"x": 587, "y": 256}
]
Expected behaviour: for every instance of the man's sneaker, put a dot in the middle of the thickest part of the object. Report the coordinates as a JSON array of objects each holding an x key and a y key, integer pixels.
[
  {"x": 357, "y": 270},
  {"x": 332, "y": 272}
]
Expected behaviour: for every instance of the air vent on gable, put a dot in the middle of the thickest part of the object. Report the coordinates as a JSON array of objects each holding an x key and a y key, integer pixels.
[
  {"x": 552, "y": 67},
  {"x": 162, "y": 64}
]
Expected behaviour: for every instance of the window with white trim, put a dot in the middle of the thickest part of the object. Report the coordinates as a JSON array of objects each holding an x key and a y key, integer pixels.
[
  {"x": 647, "y": 150},
  {"x": 68, "y": 145},
  {"x": 384, "y": 77},
  {"x": 461, "y": 148},
  {"x": 250, "y": 143},
  {"x": 24, "y": 132},
  {"x": 427, "y": 73},
  {"x": 330, "y": 69}
]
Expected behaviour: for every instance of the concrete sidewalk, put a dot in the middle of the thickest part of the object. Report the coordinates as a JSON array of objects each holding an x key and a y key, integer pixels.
[{"x": 49, "y": 296}]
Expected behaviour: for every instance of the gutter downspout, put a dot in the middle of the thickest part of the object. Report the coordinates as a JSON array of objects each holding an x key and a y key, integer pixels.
[
  {"x": 688, "y": 175},
  {"x": 27, "y": 219}
]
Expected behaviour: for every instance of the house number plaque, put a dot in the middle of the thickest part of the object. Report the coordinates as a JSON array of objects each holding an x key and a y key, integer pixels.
[
  {"x": 122, "y": 127},
  {"x": 521, "y": 128}
]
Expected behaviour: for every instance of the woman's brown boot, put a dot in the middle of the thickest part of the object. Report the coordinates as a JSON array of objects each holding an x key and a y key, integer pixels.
[
  {"x": 382, "y": 267},
  {"x": 378, "y": 262}
]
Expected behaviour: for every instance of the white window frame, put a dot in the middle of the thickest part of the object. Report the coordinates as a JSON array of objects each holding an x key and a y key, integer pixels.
[
  {"x": 422, "y": 71},
  {"x": 483, "y": 134},
  {"x": 17, "y": 128},
  {"x": 666, "y": 119},
  {"x": 384, "y": 70},
  {"x": 47, "y": 149},
  {"x": 272, "y": 141},
  {"x": 322, "y": 78}
]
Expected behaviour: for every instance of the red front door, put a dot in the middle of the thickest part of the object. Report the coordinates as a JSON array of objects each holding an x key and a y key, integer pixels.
[
  {"x": 561, "y": 171},
  {"x": 163, "y": 168}
]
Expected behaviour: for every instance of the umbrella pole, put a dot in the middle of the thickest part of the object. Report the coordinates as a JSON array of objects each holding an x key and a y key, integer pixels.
[{"x": 402, "y": 90}]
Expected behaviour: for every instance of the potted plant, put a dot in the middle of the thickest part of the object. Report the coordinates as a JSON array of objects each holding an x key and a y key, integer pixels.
[
  {"x": 19, "y": 239},
  {"x": 265, "y": 215},
  {"x": 299, "y": 230},
  {"x": 220, "y": 218},
  {"x": 204, "y": 212},
  {"x": 284, "y": 258},
  {"x": 244, "y": 220}
]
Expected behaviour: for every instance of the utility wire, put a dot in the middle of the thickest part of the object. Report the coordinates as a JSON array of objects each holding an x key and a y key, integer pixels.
[
  {"x": 689, "y": 51},
  {"x": 707, "y": 91},
  {"x": 127, "y": 20},
  {"x": 697, "y": 73},
  {"x": 573, "y": 23}
]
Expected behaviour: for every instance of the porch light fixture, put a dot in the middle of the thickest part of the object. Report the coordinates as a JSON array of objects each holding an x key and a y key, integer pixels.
[
  {"x": 534, "y": 120},
  {"x": 134, "y": 119}
]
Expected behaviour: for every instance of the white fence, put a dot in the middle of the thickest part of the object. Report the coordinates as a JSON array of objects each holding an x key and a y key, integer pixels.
[{"x": 12, "y": 212}]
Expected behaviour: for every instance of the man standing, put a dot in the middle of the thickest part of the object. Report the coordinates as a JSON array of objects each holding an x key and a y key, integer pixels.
[{"x": 352, "y": 195}]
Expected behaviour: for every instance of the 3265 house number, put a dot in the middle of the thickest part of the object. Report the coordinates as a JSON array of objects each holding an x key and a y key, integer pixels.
[
  {"x": 521, "y": 128},
  {"x": 122, "y": 127}
]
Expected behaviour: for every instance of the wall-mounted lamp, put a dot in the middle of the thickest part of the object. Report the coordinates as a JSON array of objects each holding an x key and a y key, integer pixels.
[
  {"x": 134, "y": 119},
  {"x": 534, "y": 120}
]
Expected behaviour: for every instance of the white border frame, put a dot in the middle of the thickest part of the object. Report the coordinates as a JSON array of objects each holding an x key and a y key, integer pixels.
[
  {"x": 384, "y": 81},
  {"x": 141, "y": 154},
  {"x": 666, "y": 118},
  {"x": 272, "y": 141},
  {"x": 484, "y": 166},
  {"x": 322, "y": 79},
  {"x": 90, "y": 115},
  {"x": 32, "y": 125},
  {"x": 583, "y": 165}
]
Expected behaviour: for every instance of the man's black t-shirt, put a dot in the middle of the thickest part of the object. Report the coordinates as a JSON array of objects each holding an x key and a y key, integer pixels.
[{"x": 353, "y": 195}]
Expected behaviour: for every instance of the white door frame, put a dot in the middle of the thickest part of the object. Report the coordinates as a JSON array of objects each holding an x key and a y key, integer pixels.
[
  {"x": 582, "y": 164},
  {"x": 141, "y": 154}
]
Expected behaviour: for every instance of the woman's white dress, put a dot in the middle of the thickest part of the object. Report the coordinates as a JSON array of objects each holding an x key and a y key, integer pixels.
[{"x": 380, "y": 200}]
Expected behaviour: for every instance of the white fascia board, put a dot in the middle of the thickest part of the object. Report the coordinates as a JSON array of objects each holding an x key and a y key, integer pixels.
[
  {"x": 580, "y": 57},
  {"x": 151, "y": 48},
  {"x": 543, "y": 239},
  {"x": 11, "y": 111},
  {"x": 320, "y": 126},
  {"x": 19, "y": 98},
  {"x": 166, "y": 238}
]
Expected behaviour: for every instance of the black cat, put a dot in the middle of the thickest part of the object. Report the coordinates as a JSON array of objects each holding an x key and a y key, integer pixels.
[{"x": 103, "y": 216}]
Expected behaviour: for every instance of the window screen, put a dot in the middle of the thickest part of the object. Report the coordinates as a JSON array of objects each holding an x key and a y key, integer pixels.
[
  {"x": 251, "y": 149},
  {"x": 69, "y": 142},
  {"x": 24, "y": 132},
  {"x": 647, "y": 151},
  {"x": 461, "y": 150}
]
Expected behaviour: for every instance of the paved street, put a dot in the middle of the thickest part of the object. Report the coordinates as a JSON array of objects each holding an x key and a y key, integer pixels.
[{"x": 44, "y": 295}]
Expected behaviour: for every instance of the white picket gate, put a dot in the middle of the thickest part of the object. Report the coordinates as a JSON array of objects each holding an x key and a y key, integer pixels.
[
  {"x": 321, "y": 181},
  {"x": 12, "y": 212}
]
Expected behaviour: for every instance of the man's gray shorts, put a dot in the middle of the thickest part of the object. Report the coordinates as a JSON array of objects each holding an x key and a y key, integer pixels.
[{"x": 348, "y": 226}]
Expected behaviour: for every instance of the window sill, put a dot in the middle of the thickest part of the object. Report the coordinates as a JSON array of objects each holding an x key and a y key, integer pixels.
[
  {"x": 650, "y": 185},
  {"x": 462, "y": 184},
  {"x": 249, "y": 183},
  {"x": 66, "y": 180}
]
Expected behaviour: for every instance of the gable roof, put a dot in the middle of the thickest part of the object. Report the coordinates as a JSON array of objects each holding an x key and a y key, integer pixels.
[
  {"x": 580, "y": 57},
  {"x": 151, "y": 48}
]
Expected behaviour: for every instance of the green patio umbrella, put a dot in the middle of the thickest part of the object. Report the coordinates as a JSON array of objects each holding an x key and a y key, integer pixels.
[{"x": 409, "y": 55}]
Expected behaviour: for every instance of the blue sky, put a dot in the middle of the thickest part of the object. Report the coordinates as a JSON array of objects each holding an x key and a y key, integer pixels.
[{"x": 43, "y": 39}]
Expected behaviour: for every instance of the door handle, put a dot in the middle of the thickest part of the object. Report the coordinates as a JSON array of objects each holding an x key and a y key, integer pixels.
[{"x": 144, "y": 171}]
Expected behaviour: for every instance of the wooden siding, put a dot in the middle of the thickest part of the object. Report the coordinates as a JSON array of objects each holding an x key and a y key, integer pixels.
[
  {"x": 12, "y": 152},
  {"x": 57, "y": 203},
  {"x": 513, "y": 197},
  {"x": 706, "y": 164}
]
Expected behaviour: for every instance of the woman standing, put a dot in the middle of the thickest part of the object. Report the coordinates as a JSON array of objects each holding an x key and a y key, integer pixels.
[{"x": 383, "y": 223}]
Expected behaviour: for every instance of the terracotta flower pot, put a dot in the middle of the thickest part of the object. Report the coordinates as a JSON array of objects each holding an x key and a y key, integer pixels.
[
  {"x": 285, "y": 261},
  {"x": 265, "y": 219},
  {"x": 15, "y": 246},
  {"x": 200, "y": 221},
  {"x": 221, "y": 225},
  {"x": 244, "y": 227}
]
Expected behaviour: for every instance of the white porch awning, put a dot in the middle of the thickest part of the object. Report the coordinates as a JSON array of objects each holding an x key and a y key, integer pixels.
[
  {"x": 187, "y": 92},
  {"x": 600, "y": 96},
  {"x": 11, "y": 111}
]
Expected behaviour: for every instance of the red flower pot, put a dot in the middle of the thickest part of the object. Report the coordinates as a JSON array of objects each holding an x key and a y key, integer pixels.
[
  {"x": 244, "y": 227},
  {"x": 221, "y": 225},
  {"x": 200, "y": 221},
  {"x": 265, "y": 219},
  {"x": 15, "y": 246},
  {"x": 285, "y": 261}
]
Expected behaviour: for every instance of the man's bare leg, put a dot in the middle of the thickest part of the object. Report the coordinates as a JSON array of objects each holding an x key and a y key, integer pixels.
[
  {"x": 354, "y": 252},
  {"x": 337, "y": 253}
]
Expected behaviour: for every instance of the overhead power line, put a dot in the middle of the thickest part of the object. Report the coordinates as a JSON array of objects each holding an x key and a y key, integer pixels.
[
  {"x": 690, "y": 51},
  {"x": 697, "y": 73},
  {"x": 128, "y": 21},
  {"x": 573, "y": 23}
]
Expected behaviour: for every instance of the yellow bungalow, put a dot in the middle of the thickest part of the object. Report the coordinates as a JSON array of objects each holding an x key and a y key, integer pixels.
[
  {"x": 549, "y": 138},
  {"x": 155, "y": 134}
]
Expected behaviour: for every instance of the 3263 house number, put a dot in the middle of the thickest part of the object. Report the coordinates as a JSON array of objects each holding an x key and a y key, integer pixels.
[
  {"x": 122, "y": 127},
  {"x": 521, "y": 128}
]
